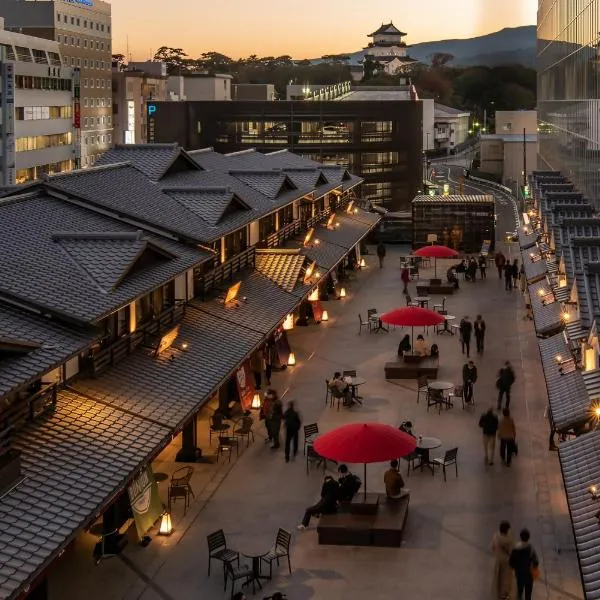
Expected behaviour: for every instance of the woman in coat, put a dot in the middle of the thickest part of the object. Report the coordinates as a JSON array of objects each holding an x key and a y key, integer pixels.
[{"x": 502, "y": 545}]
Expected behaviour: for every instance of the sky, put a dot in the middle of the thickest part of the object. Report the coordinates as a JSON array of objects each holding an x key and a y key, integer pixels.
[{"x": 300, "y": 28}]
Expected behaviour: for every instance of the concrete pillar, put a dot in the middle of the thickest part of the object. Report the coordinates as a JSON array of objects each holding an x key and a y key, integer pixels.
[
  {"x": 189, "y": 451},
  {"x": 253, "y": 231},
  {"x": 132, "y": 319},
  {"x": 224, "y": 256},
  {"x": 277, "y": 221}
]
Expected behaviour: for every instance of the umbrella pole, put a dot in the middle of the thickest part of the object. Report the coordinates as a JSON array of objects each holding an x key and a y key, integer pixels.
[
  {"x": 435, "y": 268},
  {"x": 365, "y": 480},
  {"x": 412, "y": 340}
]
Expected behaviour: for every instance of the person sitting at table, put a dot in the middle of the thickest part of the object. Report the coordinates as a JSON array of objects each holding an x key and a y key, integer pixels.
[
  {"x": 407, "y": 427},
  {"x": 340, "y": 388},
  {"x": 404, "y": 345},
  {"x": 421, "y": 346},
  {"x": 327, "y": 505},
  {"x": 349, "y": 484},
  {"x": 435, "y": 351},
  {"x": 394, "y": 484}
]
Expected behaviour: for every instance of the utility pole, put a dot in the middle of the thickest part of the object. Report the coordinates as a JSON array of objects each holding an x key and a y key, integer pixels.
[{"x": 524, "y": 158}]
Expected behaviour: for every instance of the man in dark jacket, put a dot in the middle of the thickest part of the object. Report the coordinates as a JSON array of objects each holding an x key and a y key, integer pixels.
[
  {"x": 479, "y": 328},
  {"x": 469, "y": 374},
  {"x": 292, "y": 422},
  {"x": 506, "y": 377},
  {"x": 500, "y": 261},
  {"x": 489, "y": 425},
  {"x": 508, "y": 278},
  {"x": 349, "y": 484},
  {"x": 522, "y": 559},
  {"x": 465, "y": 328},
  {"x": 327, "y": 505},
  {"x": 381, "y": 253}
]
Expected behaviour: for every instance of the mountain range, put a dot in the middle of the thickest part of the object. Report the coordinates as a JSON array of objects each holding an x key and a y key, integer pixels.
[{"x": 512, "y": 45}]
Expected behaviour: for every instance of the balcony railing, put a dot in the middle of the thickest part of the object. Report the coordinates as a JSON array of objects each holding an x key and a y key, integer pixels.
[
  {"x": 101, "y": 360},
  {"x": 285, "y": 233},
  {"x": 224, "y": 272}
]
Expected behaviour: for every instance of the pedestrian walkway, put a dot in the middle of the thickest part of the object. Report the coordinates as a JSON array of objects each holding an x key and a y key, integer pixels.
[{"x": 445, "y": 554}]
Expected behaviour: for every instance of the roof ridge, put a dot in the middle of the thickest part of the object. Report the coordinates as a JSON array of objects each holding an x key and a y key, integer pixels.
[
  {"x": 196, "y": 189},
  {"x": 154, "y": 145},
  {"x": 241, "y": 152},
  {"x": 94, "y": 169},
  {"x": 201, "y": 151},
  {"x": 99, "y": 235},
  {"x": 275, "y": 171}
]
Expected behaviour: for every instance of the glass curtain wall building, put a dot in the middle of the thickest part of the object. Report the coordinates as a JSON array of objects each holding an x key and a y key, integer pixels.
[{"x": 568, "y": 61}]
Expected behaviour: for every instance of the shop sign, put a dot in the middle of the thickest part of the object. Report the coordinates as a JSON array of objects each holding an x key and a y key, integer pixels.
[
  {"x": 317, "y": 308},
  {"x": 167, "y": 340},
  {"x": 282, "y": 345},
  {"x": 245, "y": 385},
  {"x": 145, "y": 501}
]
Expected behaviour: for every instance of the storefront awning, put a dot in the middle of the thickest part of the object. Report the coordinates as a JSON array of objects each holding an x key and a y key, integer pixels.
[
  {"x": 567, "y": 394},
  {"x": 547, "y": 311},
  {"x": 72, "y": 464},
  {"x": 528, "y": 240},
  {"x": 535, "y": 266},
  {"x": 580, "y": 465}
]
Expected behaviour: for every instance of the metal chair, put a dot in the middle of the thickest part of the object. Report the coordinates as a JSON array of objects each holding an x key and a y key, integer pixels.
[
  {"x": 409, "y": 301},
  {"x": 448, "y": 460},
  {"x": 410, "y": 461},
  {"x": 218, "y": 550},
  {"x": 309, "y": 430},
  {"x": 234, "y": 574},
  {"x": 365, "y": 324},
  {"x": 281, "y": 549},
  {"x": 435, "y": 398},
  {"x": 226, "y": 445},
  {"x": 457, "y": 392},
  {"x": 245, "y": 429},
  {"x": 180, "y": 487},
  {"x": 217, "y": 427},
  {"x": 440, "y": 307},
  {"x": 422, "y": 386},
  {"x": 313, "y": 457}
]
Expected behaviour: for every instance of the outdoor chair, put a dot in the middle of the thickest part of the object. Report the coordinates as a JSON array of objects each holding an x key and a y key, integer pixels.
[
  {"x": 457, "y": 392},
  {"x": 410, "y": 461},
  {"x": 309, "y": 430},
  {"x": 365, "y": 324},
  {"x": 370, "y": 313},
  {"x": 314, "y": 458},
  {"x": 337, "y": 395},
  {"x": 448, "y": 460},
  {"x": 217, "y": 427},
  {"x": 226, "y": 446},
  {"x": 441, "y": 307},
  {"x": 281, "y": 549},
  {"x": 409, "y": 301},
  {"x": 234, "y": 574},
  {"x": 218, "y": 550},
  {"x": 422, "y": 387},
  {"x": 245, "y": 429},
  {"x": 435, "y": 398},
  {"x": 180, "y": 487}
]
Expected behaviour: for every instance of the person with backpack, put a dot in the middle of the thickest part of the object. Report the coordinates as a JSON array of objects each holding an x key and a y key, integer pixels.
[
  {"x": 327, "y": 505},
  {"x": 505, "y": 380},
  {"x": 292, "y": 422},
  {"x": 525, "y": 563},
  {"x": 349, "y": 484},
  {"x": 465, "y": 330}
]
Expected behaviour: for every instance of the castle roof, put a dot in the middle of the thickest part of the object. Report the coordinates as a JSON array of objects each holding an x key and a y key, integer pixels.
[{"x": 387, "y": 29}]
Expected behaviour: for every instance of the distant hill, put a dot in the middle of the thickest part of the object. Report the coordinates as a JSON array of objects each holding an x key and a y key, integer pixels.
[{"x": 514, "y": 45}]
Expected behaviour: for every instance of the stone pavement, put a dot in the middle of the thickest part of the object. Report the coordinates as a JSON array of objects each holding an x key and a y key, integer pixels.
[{"x": 445, "y": 554}]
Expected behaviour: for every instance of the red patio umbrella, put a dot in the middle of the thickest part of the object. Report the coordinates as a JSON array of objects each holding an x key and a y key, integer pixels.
[
  {"x": 365, "y": 443},
  {"x": 436, "y": 252},
  {"x": 412, "y": 316}
]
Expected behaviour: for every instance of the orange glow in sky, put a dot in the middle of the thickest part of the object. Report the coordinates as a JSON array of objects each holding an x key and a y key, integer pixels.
[{"x": 300, "y": 28}]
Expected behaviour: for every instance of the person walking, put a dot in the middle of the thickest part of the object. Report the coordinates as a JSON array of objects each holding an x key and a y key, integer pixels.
[
  {"x": 479, "y": 329},
  {"x": 502, "y": 546},
  {"x": 465, "y": 329},
  {"x": 507, "y": 433},
  {"x": 482, "y": 266},
  {"x": 405, "y": 276},
  {"x": 381, "y": 253},
  {"x": 515, "y": 272},
  {"x": 508, "y": 278},
  {"x": 292, "y": 422},
  {"x": 506, "y": 378},
  {"x": 522, "y": 278},
  {"x": 489, "y": 426},
  {"x": 469, "y": 375},
  {"x": 500, "y": 261},
  {"x": 524, "y": 562}
]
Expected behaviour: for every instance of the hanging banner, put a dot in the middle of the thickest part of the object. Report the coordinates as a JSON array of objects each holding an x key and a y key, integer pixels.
[
  {"x": 145, "y": 501},
  {"x": 317, "y": 308},
  {"x": 245, "y": 385},
  {"x": 282, "y": 346}
]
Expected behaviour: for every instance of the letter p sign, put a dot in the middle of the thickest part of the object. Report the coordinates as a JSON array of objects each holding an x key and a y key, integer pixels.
[{"x": 151, "y": 109}]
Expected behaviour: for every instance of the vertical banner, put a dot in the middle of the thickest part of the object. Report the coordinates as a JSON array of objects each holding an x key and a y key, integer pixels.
[
  {"x": 245, "y": 385},
  {"x": 145, "y": 501},
  {"x": 282, "y": 346},
  {"x": 317, "y": 309}
]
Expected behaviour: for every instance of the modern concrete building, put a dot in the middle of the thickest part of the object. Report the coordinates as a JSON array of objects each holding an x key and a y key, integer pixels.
[
  {"x": 36, "y": 114},
  {"x": 569, "y": 91},
  {"x": 83, "y": 31},
  {"x": 451, "y": 127},
  {"x": 132, "y": 89},
  {"x": 199, "y": 87},
  {"x": 515, "y": 121},
  {"x": 254, "y": 91}
]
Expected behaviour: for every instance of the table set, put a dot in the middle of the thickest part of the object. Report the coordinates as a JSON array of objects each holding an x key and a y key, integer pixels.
[
  {"x": 447, "y": 328},
  {"x": 422, "y": 301},
  {"x": 354, "y": 383},
  {"x": 438, "y": 397},
  {"x": 424, "y": 446},
  {"x": 376, "y": 317}
]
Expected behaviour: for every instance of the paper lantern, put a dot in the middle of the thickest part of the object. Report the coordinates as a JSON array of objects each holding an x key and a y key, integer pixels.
[
  {"x": 314, "y": 295},
  {"x": 288, "y": 322},
  {"x": 363, "y": 263},
  {"x": 325, "y": 316},
  {"x": 256, "y": 402},
  {"x": 166, "y": 526},
  {"x": 291, "y": 359},
  {"x": 343, "y": 292}
]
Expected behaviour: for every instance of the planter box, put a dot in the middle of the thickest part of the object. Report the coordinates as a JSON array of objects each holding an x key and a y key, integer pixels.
[{"x": 10, "y": 469}]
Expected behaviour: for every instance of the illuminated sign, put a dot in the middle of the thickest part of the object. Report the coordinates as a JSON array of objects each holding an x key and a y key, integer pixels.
[
  {"x": 84, "y": 2},
  {"x": 151, "y": 109},
  {"x": 232, "y": 292},
  {"x": 167, "y": 340}
]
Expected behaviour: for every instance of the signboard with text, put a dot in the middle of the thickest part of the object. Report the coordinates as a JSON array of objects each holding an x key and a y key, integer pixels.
[
  {"x": 317, "y": 308},
  {"x": 146, "y": 504},
  {"x": 245, "y": 385}
]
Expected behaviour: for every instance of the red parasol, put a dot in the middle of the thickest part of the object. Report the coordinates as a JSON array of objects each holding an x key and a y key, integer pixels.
[
  {"x": 365, "y": 443},
  {"x": 436, "y": 252},
  {"x": 412, "y": 316}
]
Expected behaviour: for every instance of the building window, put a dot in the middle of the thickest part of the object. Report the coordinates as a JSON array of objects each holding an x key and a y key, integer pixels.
[
  {"x": 91, "y": 24},
  {"x": 97, "y": 26},
  {"x": 77, "y": 21},
  {"x": 72, "y": 61},
  {"x": 97, "y": 83},
  {"x": 109, "y": 138},
  {"x": 92, "y": 82},
  {"x": 65, "y": 18},
  {"x": 97, "y": 64},
  {"x": 85, "y": 43},
  {"x": 85, "y": 102},
  {"x": 72, "y": 20},
  {"x": 85, "y": 121},
  {"x": 85, "y": 82},
  {"x": 108, "y": 83},
  {"x": 108, "y": 28},
  {"x": 78, "y": 41},
  {"x": 101, "y": 45},
  {"x": 59, "y": 38},
  {"x": 78, "y": 62},
  {"x": 39, "y": 113},
  {"x": 85, "y": 23},
  {"x": 85, "y": 62},
  {"x": 39, "y": 142},
  {"x": 102, "y": 27},
  {"x": 58, "y": 16}
]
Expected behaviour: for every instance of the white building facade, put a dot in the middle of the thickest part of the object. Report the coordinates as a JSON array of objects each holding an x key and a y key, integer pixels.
[{"x": 36, "y": 109}]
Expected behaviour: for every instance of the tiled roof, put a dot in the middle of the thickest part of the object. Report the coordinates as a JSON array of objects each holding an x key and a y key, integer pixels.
[
  {"x": 169, "y": 390},
  {"x": 584, "y": 227},
  {"x": 527, "y": 240},
  {"x": 534, "y": 271},
  {"x": 547, "y": 317},
  {"x": 592, "y": 384},
  {"x": 567, "y": 394},
  {"x": 454, "y": 199},
  {"x": 349, "y": 232},
  {"x": 55, "y": 344},
  {"x": 268, "y": 183},
  {"x": 368, "y": 218},
  {"x": 266, "y": 305},
  {"x": 72, "y": 463},
  {"x": 154, "y": 160},
  {"x": 210, "y": 204},
  {"x": 581, "y": 470},
  {"x": 387, "y": 29},
  {"x": 326, "y": 255},
  {"x": 282, "y": 268}
]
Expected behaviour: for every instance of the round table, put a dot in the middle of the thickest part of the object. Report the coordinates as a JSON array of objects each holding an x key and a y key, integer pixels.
[
  {"x": 441, "y": 386},
  {"x": 446, "y": 328},
  {"x": 377, "y": 318},
  {"x": 424, "y": 445},
  {"x": 422, "y": 300},
  {"x": 254, "y": 555},
  {"x": 354, "y": 382}
]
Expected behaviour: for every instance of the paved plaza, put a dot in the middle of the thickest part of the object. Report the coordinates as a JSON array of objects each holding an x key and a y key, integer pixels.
[{"x": 445, "y": 553}]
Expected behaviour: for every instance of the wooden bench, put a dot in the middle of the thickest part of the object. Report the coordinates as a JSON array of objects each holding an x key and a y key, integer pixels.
[
  {"x": 385, "y": 528},
  {"x": 426, "y": 287},
  {"x": 400, "y": 369}
]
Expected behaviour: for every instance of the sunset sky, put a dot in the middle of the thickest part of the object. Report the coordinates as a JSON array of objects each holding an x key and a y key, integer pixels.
[{"x": 300, "y": 28}]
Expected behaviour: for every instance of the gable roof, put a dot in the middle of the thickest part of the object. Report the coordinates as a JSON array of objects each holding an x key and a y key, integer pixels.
[
  {"x": 269, "y": 183},
  {"x": 387, "y": 29},
  {"x": 154, "y": 160}
]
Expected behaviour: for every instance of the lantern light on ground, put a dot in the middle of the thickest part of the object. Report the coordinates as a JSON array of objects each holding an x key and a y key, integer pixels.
[
  {"x": 325, "y": 316},
  {"x": 363, "y": 263},
  {"x": 166, "y": 525},
  {"x": 291, "y": 359},
  {"x": 288, "y": 322},
  {"x": 343, "y": 292},
  {"x": 256, "y": 402}
]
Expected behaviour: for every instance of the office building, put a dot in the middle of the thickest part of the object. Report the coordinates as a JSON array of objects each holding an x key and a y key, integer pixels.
[
  {"x": 199, "y": 86},
  {"x": 372, "y": 131},
  {"x": 36, "y": 114},
  {"x": 82, "y": 29},
  {"x": 569, "y": 91}
]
